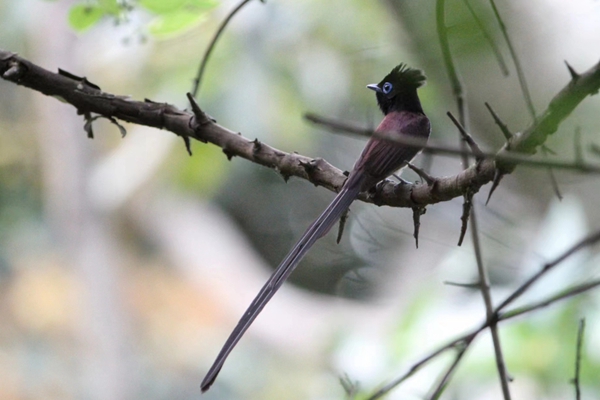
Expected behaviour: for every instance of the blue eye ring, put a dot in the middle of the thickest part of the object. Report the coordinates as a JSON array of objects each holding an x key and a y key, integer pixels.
[{"x": 387, "y": 88}]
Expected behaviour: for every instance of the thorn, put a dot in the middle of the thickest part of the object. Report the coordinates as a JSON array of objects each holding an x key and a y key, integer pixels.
[
  {"x": 417, "y": 212},
  {"x": 574, "y": 75},
  {"x": 229, "y": 154},
  {"x": 467, "y": 206},
  {"x": 310, "y": 166},
  {"x": 188, "y": 145},
  {"x": 343, "y": 220},
  {"x": 7, "y": 55},
  {"x": 256, "y": 146},
  {"x": 424, "y": 175},
  {"x": 81, "y": 79},
  {"x": 505, "y": 131},
  {"x": 14, "y": 72},
  {"x": 201, "y": 117},
  {"x": 195, "y": 107},
  {"x": 87, "y": 127},
  {"x": 122, "y": 129},
  {"x": 467, "y": 138},
  {"x": 286, "y": 177},
  {"x": 474, "y": 285},
  {"x": 213, "y": 119},
  {"x": 497, "y": 178}
]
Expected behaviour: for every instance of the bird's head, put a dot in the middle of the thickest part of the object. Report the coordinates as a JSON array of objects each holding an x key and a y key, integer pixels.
[{"x": 398, "y": 90}]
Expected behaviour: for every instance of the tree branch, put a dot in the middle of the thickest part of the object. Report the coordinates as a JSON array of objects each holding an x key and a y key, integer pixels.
[{"x": 87, "y": 98}]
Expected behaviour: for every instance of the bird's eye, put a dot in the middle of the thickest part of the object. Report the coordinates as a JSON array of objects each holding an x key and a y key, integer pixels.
[{"x": 387, "y": 87}]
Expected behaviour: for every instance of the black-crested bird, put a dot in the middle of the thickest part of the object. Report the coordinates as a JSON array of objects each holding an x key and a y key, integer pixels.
[{"x": 404, "y": 117}]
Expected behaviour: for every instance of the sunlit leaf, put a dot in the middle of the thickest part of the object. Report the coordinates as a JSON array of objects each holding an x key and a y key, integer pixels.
[
  {"x": 162, "y": 6},
  {"x": 82, "y": 17},
  {"x": 175, "y": 22},
  {"x": 110, "y": 6},
  {"x": 169, "y": 6},
  {"x": 203, "y": 4}
]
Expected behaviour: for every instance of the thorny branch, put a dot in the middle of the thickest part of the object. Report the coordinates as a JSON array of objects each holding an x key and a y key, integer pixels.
[{"x": 88, "y": 98}]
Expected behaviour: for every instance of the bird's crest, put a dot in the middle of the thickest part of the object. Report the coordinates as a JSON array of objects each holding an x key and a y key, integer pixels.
[{"x": 403, "y": 76}]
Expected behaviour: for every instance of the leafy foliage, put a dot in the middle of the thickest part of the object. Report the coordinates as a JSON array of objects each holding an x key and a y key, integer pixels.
[{"x": 168, "y": 17}]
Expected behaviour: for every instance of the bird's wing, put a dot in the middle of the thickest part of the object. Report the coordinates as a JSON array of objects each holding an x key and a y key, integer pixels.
[{"x": 382, "y": 157}]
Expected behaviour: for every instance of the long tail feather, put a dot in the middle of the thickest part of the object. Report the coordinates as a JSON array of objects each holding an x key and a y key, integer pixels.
[{"x": 315, "y": 231}]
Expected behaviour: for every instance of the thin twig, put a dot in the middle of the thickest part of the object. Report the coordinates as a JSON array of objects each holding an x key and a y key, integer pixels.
[
  {"x": 447, "y": 57},
  {"x": 417, "y": 366},
  {"x": 431, "y": 147},
  {"x": 441, "y": 386},
  {"x": 513, "y": 54},
  {"x": 468, "y": 208},
  {"x": 503, "y": 127},
  {"x": 212, "y": 44},
  {"x": 484, "y": 286},
  {"x": 468, "y": 337},
  {"x": 350, "y": 387},
  {"x": 578, "y": 359},
  {"x": 577, "y": 146},
  {"x": 467, "y": 137},
  {"x": 488, "y": 37},
  {"x": 588, "y": 241},
  {"x": 552, "y": 177},
  {"x": 570, "y": 292}
]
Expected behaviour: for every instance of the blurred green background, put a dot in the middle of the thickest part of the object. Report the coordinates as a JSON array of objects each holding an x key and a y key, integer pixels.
[{"x": 125, "y": 263}]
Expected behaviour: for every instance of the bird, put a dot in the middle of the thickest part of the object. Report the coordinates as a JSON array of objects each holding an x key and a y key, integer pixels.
[{"x": 403, "y": 118}]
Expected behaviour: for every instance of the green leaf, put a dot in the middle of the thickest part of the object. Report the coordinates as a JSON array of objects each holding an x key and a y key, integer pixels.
[
  {"x": 202, "y": 4},
  {"x": 168, "y": 6},
  {"x": 162, "y": 6},
  {"x": 175, "y": 22},
  {"x": 82, "y": 17},
  {"x": 110, "y": 6}
]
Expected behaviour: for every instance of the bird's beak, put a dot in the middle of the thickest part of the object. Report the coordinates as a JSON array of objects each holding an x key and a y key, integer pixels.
[{"x": 374, "y": 87}]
